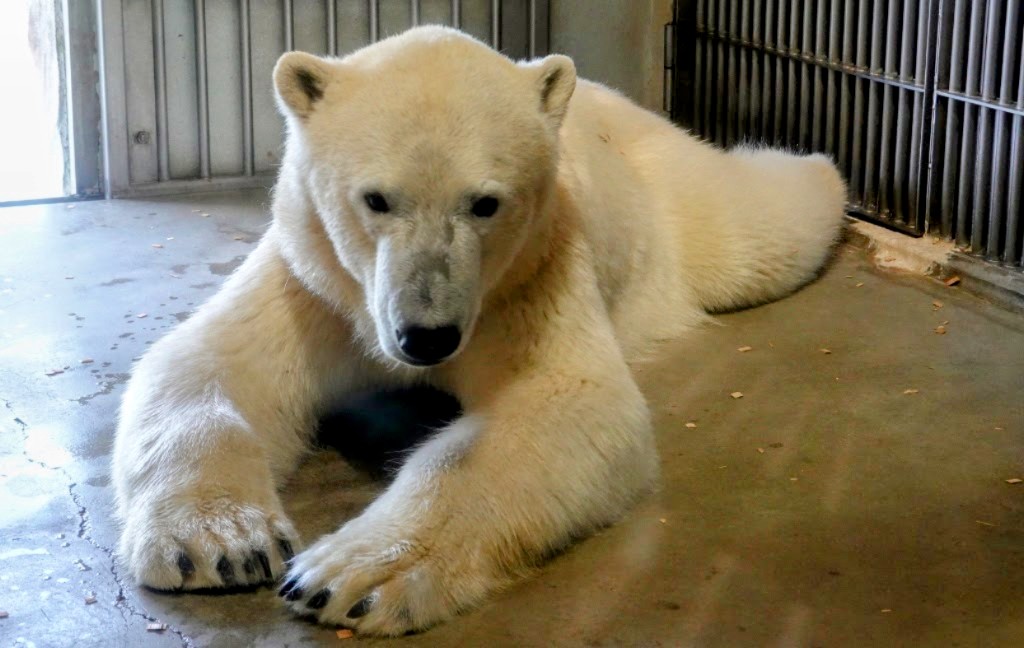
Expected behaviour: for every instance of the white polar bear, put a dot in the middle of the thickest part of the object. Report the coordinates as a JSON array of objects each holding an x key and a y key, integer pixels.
[{"x": 446, "y": 216}]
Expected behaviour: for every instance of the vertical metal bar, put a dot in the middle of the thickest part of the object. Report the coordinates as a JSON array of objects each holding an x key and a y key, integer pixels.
[
  {"x": 917, "y": 140},
  {"x": 289, "y": 25},
  {"x": 780, "y": 75},
  {"x": 859, "y": 100},
  {"x": 793, "y": 118},
  {"x": 892, "y": 34},
  {"x": 743, "y": 100},
  {"x": 951, "y": 163},
  {"x": 1016, "y": 148},
  {"x": 871, "y": 166},
  {"x": 846, "y": 84},
  {"x": 710, "y": 56},
  {"x": 965, "y": 228},
  {"x": 832, "y": 78},
  {"x": 457, "y": 14},
  {"x": 698, "y": 68},
  {"x": 757, "y": 59},
  {"x": 819, "y": 76},
  {"x": 767, "y": 90},
  {"x": 163, "y": 153},
  {"x": 246, "y": 47},
  {"x": 374, "y": 12},
  {"x": 721, "y": 98},
  {"x": 496, "y": 24},
  {"x": 202, "y": 89},
  {"x": 531, "y": 26},
  {"x": 807, "y": 116},
  {"x": 414, "y": 12},
  {"x": 332, "y": 27},
  {"x": 903, "y": 115},
  {"x": 983, "y": 217}
]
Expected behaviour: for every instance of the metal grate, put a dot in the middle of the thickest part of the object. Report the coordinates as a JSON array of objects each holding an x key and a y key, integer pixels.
[
  {"x": 918, "y": 101},
  {"x": 195, "y": 108}
]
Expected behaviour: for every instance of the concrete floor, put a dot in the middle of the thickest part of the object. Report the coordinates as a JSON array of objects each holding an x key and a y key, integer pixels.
[{"x": 826, "y": 507}]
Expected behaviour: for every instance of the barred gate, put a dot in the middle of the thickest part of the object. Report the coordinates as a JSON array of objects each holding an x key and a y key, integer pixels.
[
  {"x": 191, "y": 107},
  {"x": 921, "y": 102}
]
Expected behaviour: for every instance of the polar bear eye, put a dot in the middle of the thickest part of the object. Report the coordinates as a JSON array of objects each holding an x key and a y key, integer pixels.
[
  {"x": 377, "y": 203},
  {"x": 485, "y": 207}
]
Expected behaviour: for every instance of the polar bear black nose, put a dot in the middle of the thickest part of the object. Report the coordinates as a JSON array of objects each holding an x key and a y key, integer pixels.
[{"x": 429, "y": 345}]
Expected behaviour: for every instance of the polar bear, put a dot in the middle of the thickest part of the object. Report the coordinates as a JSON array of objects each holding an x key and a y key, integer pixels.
[{"x": 502, "y": 231}]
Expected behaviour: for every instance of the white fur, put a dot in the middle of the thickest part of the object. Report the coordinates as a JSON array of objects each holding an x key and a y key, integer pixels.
[{"x": 616, "y": 229}]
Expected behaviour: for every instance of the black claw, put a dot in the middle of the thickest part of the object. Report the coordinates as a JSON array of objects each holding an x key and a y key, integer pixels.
[
  {"x": 261, "y": 557},
  {"x": 226, "y": 571},
  {"x": 319, "y": 599},
  {"x": 360, "y": 608},
  {"x": 290, "y": 590},
  {"x": 249, "y": 566},
  {"x": 287, "y": 553}
]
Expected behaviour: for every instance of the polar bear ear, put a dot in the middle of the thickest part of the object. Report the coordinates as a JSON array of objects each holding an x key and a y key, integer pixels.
[
  {"x": 300, "y": 80},
  {"x": 556, "y": 80}
]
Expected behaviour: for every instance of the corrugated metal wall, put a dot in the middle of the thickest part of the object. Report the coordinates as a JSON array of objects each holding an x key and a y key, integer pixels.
[
  {"x": 198, "y": 108},
  {"x": 919, "y": 101}
]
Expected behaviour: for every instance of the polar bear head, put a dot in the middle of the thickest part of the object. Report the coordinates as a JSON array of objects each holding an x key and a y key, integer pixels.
[{"x": 428, "y": 158}]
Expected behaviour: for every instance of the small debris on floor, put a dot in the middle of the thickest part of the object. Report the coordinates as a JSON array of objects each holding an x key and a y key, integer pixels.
[
  {"x": 65, "y": 544},
  {"x": 156, "y": 627},
  {"x": 196, "y": 211},
  {"x": 70, "y": 277},
  {"x": 940, "y": 329},
  {"x": 983, "y": 523},
  {"x": 345, "y": 633},
  {"x": 737, "y": 394},
  {"x": 4, "y": 614},
  {"x": 775, "y": 445},
  {"x": 1014, "y": 480},
  {"x": 82, "y": 566},
  {"x": 662, "y": 520},
  {"x": 794, "y": 479},
  {"x": 170, "y": 238},
  {"x": 86, "y": 361},
  {"x": 54, "y": 372},
  {"x": 761, "y": 450},
  {"x": 744, "y": 349},
  {"x": 859, "y": 284},
  {"x": 937, "y": 304},
  {"x": 911, "y": 391},
  {"x": 825, "y": 351},
  {"x": 604, "y": 138},
  {"x": 999, "y": 428},
  {"x": 60, "y": 536},
  {"x": 89, "y": 600},
  {"x": 157, "y": 245},
  {"x": 952, "y": 281},
  {"x": 886, "y": 610},
  {"x": 142, "y": 315},
  {"x": 691, "y": 425},
  {"x": 205, "y": 215}
]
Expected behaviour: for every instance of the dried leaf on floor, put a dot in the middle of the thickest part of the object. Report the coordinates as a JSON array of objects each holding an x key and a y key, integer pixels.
[
  {"x": 662, "y": 520},
  {"x": 937, "y": 304},
  {"x": 952, "y": 281},
  {"x": 760, "y": 450},
  {"x": 690, "y": 424},
  {"x": 825, "y": 351},
  {"x": 886, "y": 610},
  {"x": 1014, "y": 480},
  {"x": 345, "y": 633},
  {"x": 737, "y": 394},
  {"x": 859, "y": 284},
  {"x": 940, "y": 329},
  {"x": 744, "y": 349},
  {"x": 984, "y": 523},
  {"x": 911, "y": 391}
]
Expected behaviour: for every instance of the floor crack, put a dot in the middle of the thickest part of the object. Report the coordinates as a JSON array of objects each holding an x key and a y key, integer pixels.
[{"x": 121, "y": 601}]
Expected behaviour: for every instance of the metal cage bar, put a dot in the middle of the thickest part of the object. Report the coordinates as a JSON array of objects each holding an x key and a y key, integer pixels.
[{"x": 919, "y": 101}]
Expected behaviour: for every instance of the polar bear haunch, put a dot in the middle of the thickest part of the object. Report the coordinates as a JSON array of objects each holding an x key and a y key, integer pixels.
[{"x": 610, "y": 229}]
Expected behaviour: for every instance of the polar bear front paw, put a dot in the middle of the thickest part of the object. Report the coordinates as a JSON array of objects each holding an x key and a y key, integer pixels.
[
  {"x": 197, "y": 543},
  {"x": 380, "y": 580}
]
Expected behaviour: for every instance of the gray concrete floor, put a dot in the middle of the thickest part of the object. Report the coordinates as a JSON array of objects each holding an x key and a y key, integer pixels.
[{"x": 826, "y": 507}]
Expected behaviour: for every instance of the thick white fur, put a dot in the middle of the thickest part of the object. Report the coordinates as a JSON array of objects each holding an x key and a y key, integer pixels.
[{"x": 617, "y": 229}]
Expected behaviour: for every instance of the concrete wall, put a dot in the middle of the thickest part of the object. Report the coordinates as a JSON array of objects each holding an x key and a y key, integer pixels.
[{"x": 616, "y": 42}]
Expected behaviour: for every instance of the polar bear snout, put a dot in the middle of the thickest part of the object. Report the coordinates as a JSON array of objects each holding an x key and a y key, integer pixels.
[{"x": 429, "y": 346}]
